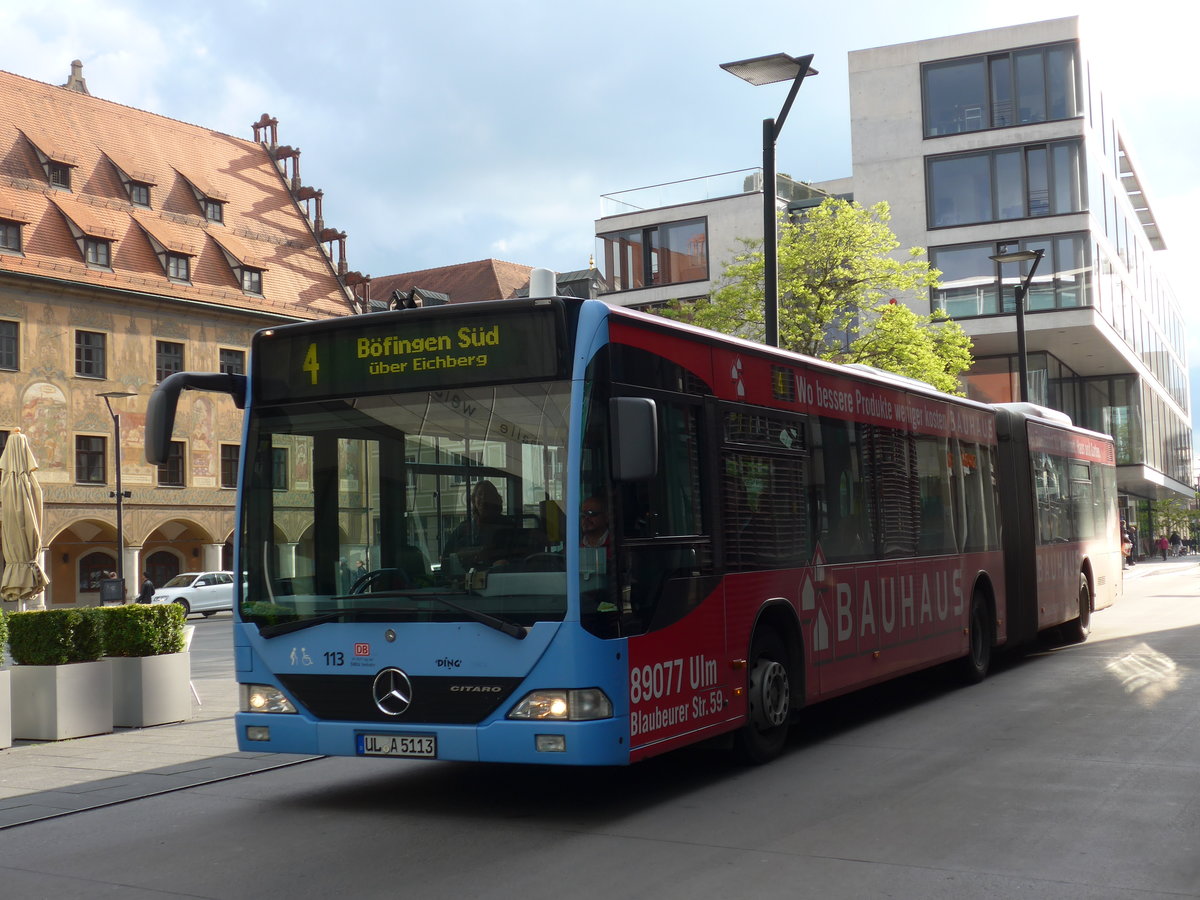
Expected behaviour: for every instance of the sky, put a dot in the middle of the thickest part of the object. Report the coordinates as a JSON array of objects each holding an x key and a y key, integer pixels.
[{"x": 462, "y": 130}]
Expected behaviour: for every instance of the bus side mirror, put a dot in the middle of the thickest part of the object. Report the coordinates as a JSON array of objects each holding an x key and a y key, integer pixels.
[
  {"x": 160, "y": 412},
  {"x": 634, "y": 438}
]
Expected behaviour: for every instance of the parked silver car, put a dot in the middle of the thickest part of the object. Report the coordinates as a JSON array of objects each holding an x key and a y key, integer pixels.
[{"x": 198, "y": 592}]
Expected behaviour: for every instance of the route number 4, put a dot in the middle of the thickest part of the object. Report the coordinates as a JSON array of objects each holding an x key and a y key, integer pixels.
[{"x": 311, "y": 366}]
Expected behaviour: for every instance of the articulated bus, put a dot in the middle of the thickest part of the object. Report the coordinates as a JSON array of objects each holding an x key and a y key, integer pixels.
[{"x": 760, "y": 531}]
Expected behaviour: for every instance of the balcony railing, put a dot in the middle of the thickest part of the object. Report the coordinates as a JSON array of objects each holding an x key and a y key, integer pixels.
[{"x": 707, "y": 187}]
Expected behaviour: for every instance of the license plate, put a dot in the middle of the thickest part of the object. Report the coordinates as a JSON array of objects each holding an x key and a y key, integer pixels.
[{"x": 421, "y": 746}]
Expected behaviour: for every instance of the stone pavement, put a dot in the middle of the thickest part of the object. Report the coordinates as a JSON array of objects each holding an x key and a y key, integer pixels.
[
  {"x": 40, "y": 780},
  {"x": 43, "y": 780}
]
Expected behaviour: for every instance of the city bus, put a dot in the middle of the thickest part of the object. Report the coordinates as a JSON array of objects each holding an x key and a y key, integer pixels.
[{"x": 558, "y": 531}]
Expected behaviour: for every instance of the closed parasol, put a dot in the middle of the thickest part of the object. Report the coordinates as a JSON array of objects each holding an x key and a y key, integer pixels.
[{"x": 20, "y": 522}]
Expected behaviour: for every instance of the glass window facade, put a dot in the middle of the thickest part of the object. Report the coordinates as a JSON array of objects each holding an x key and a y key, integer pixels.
[
  {"x": 974, "y": 285},
  {"x": 1007, "y": 183},
  {"x": 669, "y": 253},
  {"x": 1035, "y": 84}
]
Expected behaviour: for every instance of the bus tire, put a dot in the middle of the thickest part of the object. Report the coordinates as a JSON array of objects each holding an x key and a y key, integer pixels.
[
  {"x": 1077, "y": 630},
  {"x": 973, "y": 667},
  {"x": 769, "y": 700}
]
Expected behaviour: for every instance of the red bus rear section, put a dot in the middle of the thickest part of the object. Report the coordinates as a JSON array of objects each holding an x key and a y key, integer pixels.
[{"x": 890, "y": 528}]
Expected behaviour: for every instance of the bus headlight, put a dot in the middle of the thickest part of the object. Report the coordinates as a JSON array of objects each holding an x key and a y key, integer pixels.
[
  {"x": 262, "y": 698},
  {"x": 563, "y": 705}
]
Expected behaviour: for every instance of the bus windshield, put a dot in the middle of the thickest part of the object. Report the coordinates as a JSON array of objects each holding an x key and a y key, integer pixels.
[{"x": 428, "y": 506}]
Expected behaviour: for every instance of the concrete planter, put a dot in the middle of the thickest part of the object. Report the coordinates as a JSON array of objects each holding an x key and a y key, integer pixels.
[
  {"x": 5, "y": 709},
  {"x": 53, "y": 703},
  {"x": 151, "y": 690}
]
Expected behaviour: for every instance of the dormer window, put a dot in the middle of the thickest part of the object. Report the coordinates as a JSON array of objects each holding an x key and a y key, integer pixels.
[
  {"x": 171, "y": 243},
  {"x": 10, "y": 236},
  {"x": 247, "y": 266},
  {"x": 95, "y": 229},
  {"x": 252, "y": 280},
  {"x": 97, "y": 252},
  {"x": 178, "y": 267},
  {"x": 60, "y": 175},
  {"x": 55, "y": 162},
  {"x": 136, "y": 177},
  {"x": 214, "y": 210},
  {"x": 211, "y": 200}
]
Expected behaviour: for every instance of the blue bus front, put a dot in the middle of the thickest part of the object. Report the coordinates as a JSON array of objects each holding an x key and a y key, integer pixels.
[{"x": 409, "y": 536}]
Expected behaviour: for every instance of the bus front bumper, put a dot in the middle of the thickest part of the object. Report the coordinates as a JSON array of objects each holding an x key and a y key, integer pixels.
[{"x": 604, "y": 742}]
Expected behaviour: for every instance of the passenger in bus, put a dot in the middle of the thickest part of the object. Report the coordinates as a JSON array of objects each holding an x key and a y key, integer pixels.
[{"x": 483, "y": 538}]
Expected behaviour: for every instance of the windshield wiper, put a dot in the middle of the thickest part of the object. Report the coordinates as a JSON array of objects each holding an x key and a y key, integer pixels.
[
  {"x": 359, "y": 613},
  {"x": 353, "y": 615}
]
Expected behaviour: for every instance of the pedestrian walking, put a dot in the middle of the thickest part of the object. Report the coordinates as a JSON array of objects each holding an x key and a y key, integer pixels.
[
  {"x": 1163, "y": 546},
  {"x": 147, "y": 592}
]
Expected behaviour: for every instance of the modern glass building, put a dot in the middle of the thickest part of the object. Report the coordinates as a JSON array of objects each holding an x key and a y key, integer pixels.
[{"x": 1001, "y": 141}]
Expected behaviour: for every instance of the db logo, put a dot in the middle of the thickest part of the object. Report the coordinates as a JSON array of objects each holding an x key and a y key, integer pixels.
[{"x": 362, "y": 649}]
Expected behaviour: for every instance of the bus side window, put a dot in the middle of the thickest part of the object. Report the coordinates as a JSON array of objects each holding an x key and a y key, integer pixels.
[
  {"x": 937, "y": 508},
  {"x": 838, "y": 491}
]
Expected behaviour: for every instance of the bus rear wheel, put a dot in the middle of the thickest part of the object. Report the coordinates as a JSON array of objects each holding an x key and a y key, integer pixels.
[
  {"x": 769, "y": 697},
  {"x": 973, "y": 667},
  {"x": 1077, "y": 630}
]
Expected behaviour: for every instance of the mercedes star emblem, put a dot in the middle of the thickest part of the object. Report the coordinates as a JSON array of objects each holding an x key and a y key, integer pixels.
[{"x": 392, "y": 692}]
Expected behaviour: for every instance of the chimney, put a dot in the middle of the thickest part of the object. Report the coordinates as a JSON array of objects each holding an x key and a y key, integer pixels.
[{"x": 76, "y": 82}]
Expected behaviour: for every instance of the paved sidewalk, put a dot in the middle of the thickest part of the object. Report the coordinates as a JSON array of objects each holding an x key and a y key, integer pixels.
[
  {"x": 40, "y": 780},
  {"x": 1156, "y": 565}
]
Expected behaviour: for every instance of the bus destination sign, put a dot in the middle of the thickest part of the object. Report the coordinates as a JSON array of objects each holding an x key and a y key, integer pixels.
[{"x": 407, "y": 351}]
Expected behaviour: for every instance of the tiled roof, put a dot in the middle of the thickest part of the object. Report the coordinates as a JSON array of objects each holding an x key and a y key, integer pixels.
[
  {"x": 485, "y": 279},
  {"x": 104, "y": 143}
]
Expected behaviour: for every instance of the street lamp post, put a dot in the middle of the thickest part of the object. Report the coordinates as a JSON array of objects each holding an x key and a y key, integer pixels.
[
  {"x": 1022, "y": 291},
  {"x": 119, "y": 494},
  {"x": 758, "y": 71}
]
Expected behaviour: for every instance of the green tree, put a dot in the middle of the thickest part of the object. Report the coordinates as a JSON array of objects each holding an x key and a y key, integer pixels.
[
  {"x": 837, "y": 284},
  {"x": 1170, "y": 515}
]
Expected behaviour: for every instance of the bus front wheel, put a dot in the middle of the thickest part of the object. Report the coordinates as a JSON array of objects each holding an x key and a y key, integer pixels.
[
  {"x": 1077, "y": 630},
  {"x": 769, "y": 697}
]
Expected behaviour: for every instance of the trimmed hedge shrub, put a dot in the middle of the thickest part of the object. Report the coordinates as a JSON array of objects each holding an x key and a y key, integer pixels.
[
  {"x": 55, "y": 637},
  {"x": 3, "y": 636},
  {"x": 273, "y": 613},
  {"x": 141, "y": 630}
]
